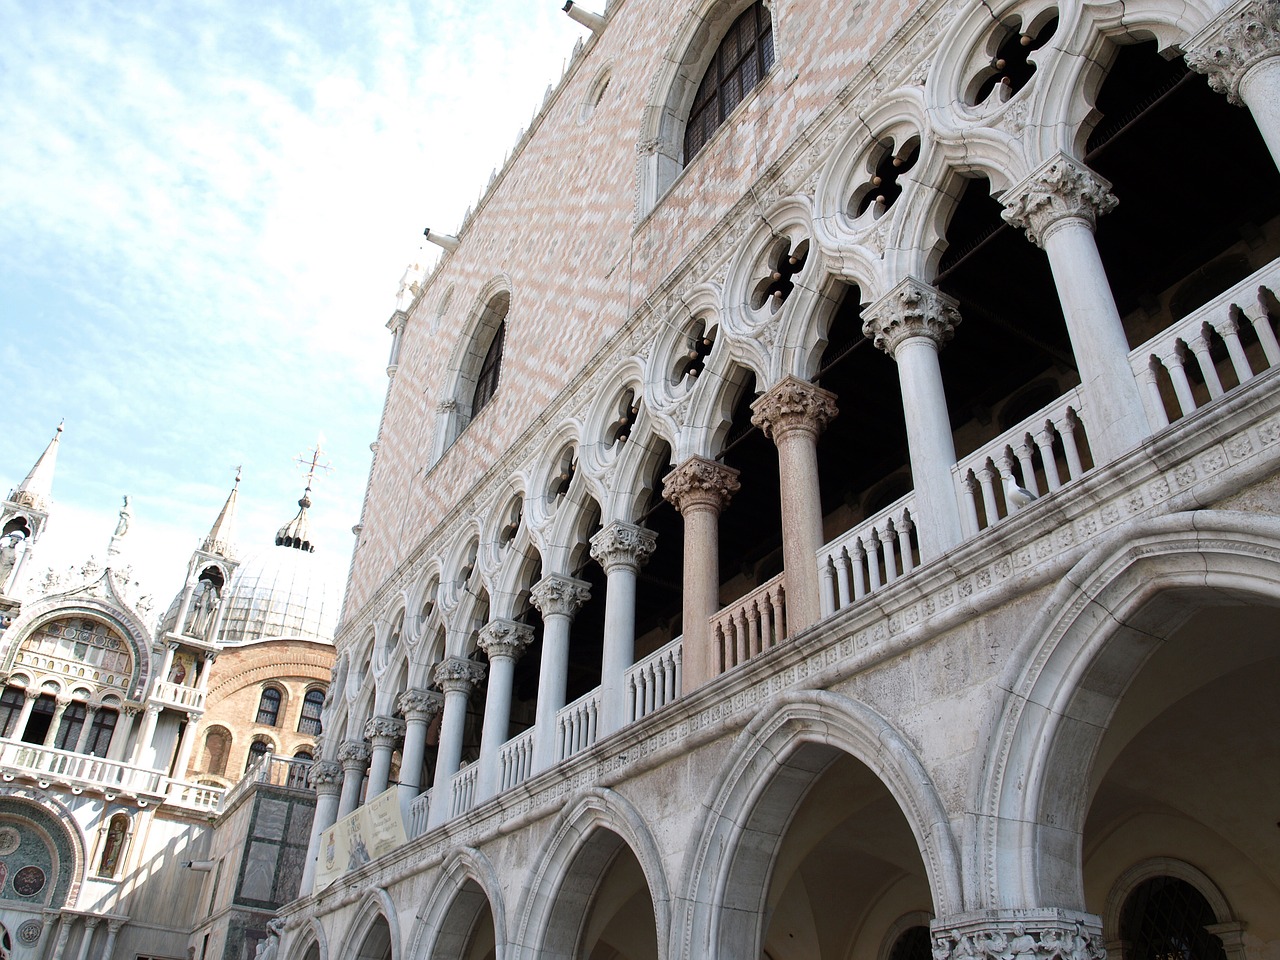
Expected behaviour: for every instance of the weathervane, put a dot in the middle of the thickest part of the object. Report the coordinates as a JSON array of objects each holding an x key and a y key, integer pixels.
[{"x": 310, "y": 461}]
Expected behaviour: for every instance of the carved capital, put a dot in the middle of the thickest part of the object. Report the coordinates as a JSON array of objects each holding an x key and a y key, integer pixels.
[
  {"x": 325, "y": 776},
  {"x": 623, "y": 544},
  {"x": 353, "y": 753},
  {"x": 383, "y": 731},
  {"x": 1025, "y": 935},
  {"x": 556, "y": 593},
  {"x": 418, "y": 704},
  {"x": 911, "y": 309},
  {"x": 700, "y": 483},
  {"x": 793, "y": 404},
  {"x": 505, "y": 638},
  {"x": 1224, "y": 51},
  {"x": 458, "y": 674},
  {"x": 1061, "y": 189},
  {"x": 131, "y": 709}
]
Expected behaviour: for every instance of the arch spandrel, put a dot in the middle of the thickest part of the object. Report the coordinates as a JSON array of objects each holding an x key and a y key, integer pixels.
[{"x": 1075, "y": 660}]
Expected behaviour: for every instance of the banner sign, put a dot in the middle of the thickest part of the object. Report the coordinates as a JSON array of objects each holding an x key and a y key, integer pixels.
[{"x": 365, "y": 834}]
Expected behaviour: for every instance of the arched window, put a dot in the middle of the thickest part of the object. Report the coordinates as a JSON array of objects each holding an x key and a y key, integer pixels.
[
  {"x": 257, "y": 750},
  {"x": 113, "y": 846},
  {"x": 1165, "y": 919},
  {"x": 487, "y": 381},
  {"x": 68, "y": 736},
  {"x": 101, "y": 731},
  {"x": 10, "y": 709},
  {"x": 269, "y": 707},
  {"x": 312, "y": 706},
  {"x": 744, "y": 56}
]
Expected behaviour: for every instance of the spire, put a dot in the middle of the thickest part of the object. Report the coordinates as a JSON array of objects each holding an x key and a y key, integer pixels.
[
  {"x": 36, "y": 491},
  {"x": 218, "y": 541}
]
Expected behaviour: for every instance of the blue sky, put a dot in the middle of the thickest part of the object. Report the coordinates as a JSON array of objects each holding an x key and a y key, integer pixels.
[{"x": 205, "y": 210}]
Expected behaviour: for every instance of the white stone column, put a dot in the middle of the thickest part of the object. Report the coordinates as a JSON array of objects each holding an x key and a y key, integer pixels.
[
  {"x": 146, "y": 734},
  {"x": 185, "y": 746},
  {"x": 503, "y": 641},
  {"x": 166, "y": 662},
  {"x": 326, "y": 778},
  {"x": 90, "y": 712},
  {"x": 419, "y": 707},
  {"x": 354, "y": 757},
  {"x": 558, "y": 598},
  {"x": 911, "y": 323},
  {"x": 1059, "y": 205},
  {"x": 51, "y": 735},
  {"x": 209, "y": 658},
  {"x": 184, "y": 607},
  {"x": 700, "y": 489},
  {"x": 86, "y": 937},
  {"x": 124, "y": 726},
  {"x": 456, "y": 676},
  {"x": 29, "y": 698},
  {"x": 621, "y": 549},
  {"x": 383, "y": 733},
  {"x": 792, "y": 413},
  {"x": 65, "y": 922},
  {"x": 113, "y": 931},
  {"x": 1240, "y": 53}
]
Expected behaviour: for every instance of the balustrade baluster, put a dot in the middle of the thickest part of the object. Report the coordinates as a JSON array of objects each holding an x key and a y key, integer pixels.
[
  {"x": 1044, "y": 441},
  {"x": 1175, "y": 361},
  {"x": 1200, "y": 347},
  {"x": 1025, "y": 453},
  {"x": 1262, "y": 327},
  {"x": 1229, "y": 330},
  {"x": 1067, "y": 431},
  {"x": 887, "y": 537},
  {"x": 970, "y": 498},
  {"x": 872, "y": 546},
  {"x": 904, "y": 542},
  {"x": 987, "y": 477}
]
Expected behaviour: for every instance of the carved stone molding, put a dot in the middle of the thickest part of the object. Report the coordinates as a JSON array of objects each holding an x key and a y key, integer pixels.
[
  {"x": 1026, "y": 935},
  {"x": 1227, "y": 48},
  {"x": 622, "y": 544},
  {"x": 353, "y": 753},
  {"x": 793, "y": 404},
  {"x": 325, "y": 776},
  {"x": 384, "y": 731},
  {"x": 505, "y": 638},
  {"x": 418, "y": 704},
  {"x": 558, "y": 594},
  {"x": 700, "y": 483},
  {"x": 458, "y": 674},
  {"x": 1060, "y": 189},
  {"x": 910, "y": 309}
]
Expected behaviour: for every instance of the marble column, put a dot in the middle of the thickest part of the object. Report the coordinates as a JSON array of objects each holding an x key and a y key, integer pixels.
[
  {"x": 29, "y": 698},
  {"x": 113, "y": 931},
  {"x": 503, "y": 641},
  {"x": 209, "y": 659},
  {"x": 166, "y": 663},
  {"x": 1239, "y": 51},
  {"x": 326, "y": 778},
  {"x": 353, "y": 755},
  {"x": 383, "y": 733},
  {"x": 90, "y": 712},
  {"x": 700, "y": 489},
  {"x": 1058, "y": 205},
  {"x": 621, "y": 549},
  {"x": 911, "y": 323},
  {"x": 51, "y": 735},
  {"x": 456, "y": 676},
  {"x": 558, "y": 598},
  {"x": 419, "y": 707},
  {"x": 185, "y": 746},
  {"x": 86, "y": 937},
  {"x": 65, "y": 922},
  {"x": 146, "y": 734},
  {"x": 1035, "y": 934},
  {"x": 792, "y": 413},
  {"x": 120, "y": 736}
]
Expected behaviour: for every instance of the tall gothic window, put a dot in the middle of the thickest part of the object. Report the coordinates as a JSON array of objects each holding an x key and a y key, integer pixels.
[
  {"x": 312, "y": 705},
  {"x": 68, "y": 735},
  {"x": 742, "y": 59},
  {"x": 269, "y": 707},
  {"x": 1165, "y": 919},
  {"x": 487, "y": 381},
  {"x": 100, "y": 732},
  {"x": 10, "y": 709}
]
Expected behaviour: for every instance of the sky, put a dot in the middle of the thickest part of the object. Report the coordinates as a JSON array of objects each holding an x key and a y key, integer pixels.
[{"x": 205, "y": 212}]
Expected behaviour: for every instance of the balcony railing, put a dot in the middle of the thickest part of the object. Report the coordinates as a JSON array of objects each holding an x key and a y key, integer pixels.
[
  {"x": 1041, "y": 453},
  {"x": 419, "y": 811},
  {"x": 1166, "y": 363},
  {"x": 655, "y": 681},
  {"x": 271, "y": 769},
  {"x": 47, "y": 765},
  {"x": 576, "y": 725},
  {"x": 871, "y": 555},
  {"x": 516, "y": 759},
  {"x": 464, "y": 789},
  {"x": 197, "y": 796},
  {"x": 752, "y": 625},
  {"x": 178, "y": 695}
]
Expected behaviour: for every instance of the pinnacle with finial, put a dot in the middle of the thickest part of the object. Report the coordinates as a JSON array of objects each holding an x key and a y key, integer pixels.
[{"x": 37, "y": 489}]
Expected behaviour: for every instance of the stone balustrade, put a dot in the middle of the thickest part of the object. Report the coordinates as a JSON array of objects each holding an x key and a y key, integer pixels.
[
  {"x": 197, "y": 796},
  {"x": 178, "y": 695},
  {"x": 577, "y": 725},
  {"x": 750, "y": 626},
  {"x": 516, "y": 760},
  {"x": 464, "y": 789},
  {"x": 871, "y": 555},
  {"x": 655, "y": 681},
  {"x": 419, "y": 810},
  {"x": 78, "y": 771}
]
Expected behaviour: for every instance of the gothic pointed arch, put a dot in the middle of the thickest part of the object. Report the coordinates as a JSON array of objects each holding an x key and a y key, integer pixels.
[
  {"x": 467, "y": 884},
  {"x": 374, "y": 933}
]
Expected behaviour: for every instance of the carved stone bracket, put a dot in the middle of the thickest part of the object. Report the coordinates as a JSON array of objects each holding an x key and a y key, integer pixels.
[
  {"x": 418, "y": 704},
  {"x": 1060, "y": 189},
  {"x": 505, "y": 638},
  {"x": 1227, "y": 48},
  {"x": 325, "y": 776},
  {"x": 700, "y": 483},
  {"x": 622, "y": 544},
  {"x": 458, "y": 674},
  {"x": 793, "y": 404},
  {"x": 353, "y": 753},
  {"x": 910, "y": 309},
  {"x": 1023, "y": 935},
  {"x": 384, "y": 731},
  {"x": 558, "y": 594}
]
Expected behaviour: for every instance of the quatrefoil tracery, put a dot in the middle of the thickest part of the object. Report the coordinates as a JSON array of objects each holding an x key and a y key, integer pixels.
[
  {"x": 1011, "y": 67},
  {"x": 774, "y": 288},
  {"x": 883, "y": 187}
]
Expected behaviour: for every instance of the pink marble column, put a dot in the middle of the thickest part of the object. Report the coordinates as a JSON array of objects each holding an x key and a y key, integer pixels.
[
  {"x": 792, "y": 413},
  {"x": 700, "y": 489},
  {"x": 1058, "y": 205}
]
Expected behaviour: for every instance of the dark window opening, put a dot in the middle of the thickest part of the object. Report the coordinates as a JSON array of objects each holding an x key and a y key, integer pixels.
[
  {"x": 1165, "y": 919},
  {"x": 487, "y": 382},
  {"x": 312, "y": 707},
  {"x": 269, "y": 707},
  {"x": 744, "y": 56}
]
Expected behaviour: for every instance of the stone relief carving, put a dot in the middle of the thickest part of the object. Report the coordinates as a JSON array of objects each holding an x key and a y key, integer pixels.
[
  {"x": 1227, "y": 48},
  {"x": 1060, "y": 189},
  {"x": 911, "y": 309}
]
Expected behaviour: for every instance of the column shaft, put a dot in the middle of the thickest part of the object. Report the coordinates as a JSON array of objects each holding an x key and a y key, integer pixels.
[
  {"x": 558, "y": 598},
  {"x": 456, "y": 676}
]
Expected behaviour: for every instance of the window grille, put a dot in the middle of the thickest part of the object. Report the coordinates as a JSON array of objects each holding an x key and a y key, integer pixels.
[
  {"x": 269, "y": 707},
  {"x": 487, "y": 382},
  {"x": 744, "y": 56},
  {"x": 1165, "y": 919},
  {"x": 312, "y": 706}
]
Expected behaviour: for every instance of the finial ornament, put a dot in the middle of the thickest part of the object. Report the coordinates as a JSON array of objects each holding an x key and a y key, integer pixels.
[
  {"x": 911, "y": 309},
  {"x": 1058, "y": 190},
  {"x": 1226, "y": 49}
]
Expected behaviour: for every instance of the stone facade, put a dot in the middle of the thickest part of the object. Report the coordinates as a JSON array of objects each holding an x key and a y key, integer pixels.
[{"x": 870, "y": 547}]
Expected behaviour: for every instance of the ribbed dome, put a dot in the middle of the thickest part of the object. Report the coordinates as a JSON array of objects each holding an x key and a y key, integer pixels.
[{"x": 280, "y": 593}]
